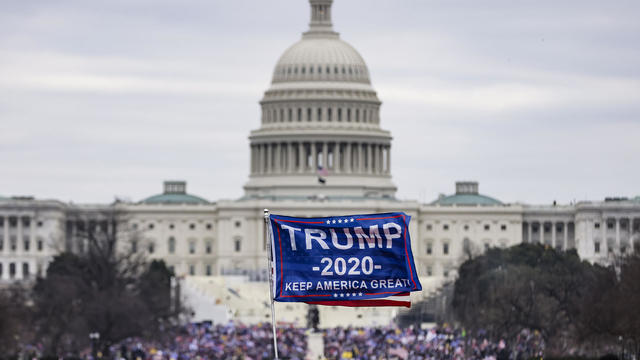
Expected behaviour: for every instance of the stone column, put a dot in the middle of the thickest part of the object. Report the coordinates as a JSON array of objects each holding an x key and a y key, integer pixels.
[
  {"x": 256, "y": 158},
  {"x": 566, "y": 235},
  {"x": 617, "y": 235},
  {"x": 314, "y": 158},
  {"x": 530, "y": 232},
  {"x": 6, "y": 244},
  {"x": 277, "y": 147},
  {"x": 325, "y": 155},
  {"x": 370, "y": 159},
  {"x": 338, "y": 161},
  {"x": 360, "y": 158},
  {"x": 605, "y": 243},
  {"x": 290, "y": 161},
  {"x": 19, "y": 248},
  {"x": 553, "y": 234},
  {"x": 268, "y": 162},
  {"x": 388, "y": 159},
  {"x": 380, "y": 159},
  {"x": 263, "y": 158},
  {"x": 302, "y": 161},
  {"x": 347, "y": 158},
  {"x": 19, "y": 234}
]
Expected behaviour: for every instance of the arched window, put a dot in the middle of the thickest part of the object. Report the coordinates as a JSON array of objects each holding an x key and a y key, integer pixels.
[
  {"x": 309, "y": 114},
  {"x": 339, "y": 114},
  {"x": 152, "y": 247},
  {"x": 319, "y": 114},
  {"x": 299, "y": 114}
]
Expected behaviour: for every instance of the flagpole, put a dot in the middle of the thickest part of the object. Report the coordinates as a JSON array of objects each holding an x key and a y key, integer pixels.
[{"x": 270, "y": 262}]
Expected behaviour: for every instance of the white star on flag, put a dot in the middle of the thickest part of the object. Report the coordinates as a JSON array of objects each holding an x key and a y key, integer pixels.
[
  {"x": 351, "y": 219},
  {"x": 328, "y": 221},
  {"x": 334, "y": 221},
  {"x": 339, "y": 221}
]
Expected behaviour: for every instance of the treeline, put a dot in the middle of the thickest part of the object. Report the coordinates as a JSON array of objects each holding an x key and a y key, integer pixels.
[
  {"x": 109, "y": 290},
  {"x": 578, "y": 307}
]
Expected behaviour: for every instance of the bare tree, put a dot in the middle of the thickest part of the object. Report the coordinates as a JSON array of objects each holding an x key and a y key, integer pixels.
[{"x": 106, "y": 287}]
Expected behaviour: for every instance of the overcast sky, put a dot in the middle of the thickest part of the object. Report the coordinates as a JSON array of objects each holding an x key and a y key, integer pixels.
[{"x": 536, "y": 100}]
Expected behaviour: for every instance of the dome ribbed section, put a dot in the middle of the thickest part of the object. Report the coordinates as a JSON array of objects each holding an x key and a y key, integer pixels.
[{"x": 320, "y": 58}]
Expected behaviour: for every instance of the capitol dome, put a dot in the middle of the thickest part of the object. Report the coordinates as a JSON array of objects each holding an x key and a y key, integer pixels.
[
  {"x": 320, "y": 133},
  {"x": 321, "y": 58}
]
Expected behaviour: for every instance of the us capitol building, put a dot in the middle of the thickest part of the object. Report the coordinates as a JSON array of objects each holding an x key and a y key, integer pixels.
[{"x": 320, "y": 150}]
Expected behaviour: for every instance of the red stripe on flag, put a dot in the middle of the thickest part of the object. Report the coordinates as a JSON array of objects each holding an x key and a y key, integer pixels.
[{"x": 361, "y": 303}]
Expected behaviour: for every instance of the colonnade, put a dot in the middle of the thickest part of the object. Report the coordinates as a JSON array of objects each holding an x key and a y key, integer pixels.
[
  {"x": 562, "y": 233},
  {"x": 311, "y": 156},
  {"x": 616, "y": 233},
  {"x": 281, "y": 113},
  {"x": 15, "y": 242}
]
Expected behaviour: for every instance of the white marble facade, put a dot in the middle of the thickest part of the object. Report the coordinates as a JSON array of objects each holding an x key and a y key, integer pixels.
[{"x": 320, "y": 119}]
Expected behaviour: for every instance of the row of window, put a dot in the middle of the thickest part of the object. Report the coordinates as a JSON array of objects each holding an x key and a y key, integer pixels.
[
  {"x": 547, "y": 229},
  {"x": 319, "y": 114},
  {"x": 208, "y": 269},
  {"x": 13, "y": 221},
  {"x": 12, "y": 268},
  {"x": 487, "y": 227},
  {"x": 192, "y": 226},
  {"x": 611, "y": 225},
  {"x": 320, "y": 69},
  {"x": 623, "y": 248},
  {"x": 26, "y": 243},
  {"x": 171, "y": 246},
  {"x": 445, "y": 247},
  {"x": 429, "y": 272}
]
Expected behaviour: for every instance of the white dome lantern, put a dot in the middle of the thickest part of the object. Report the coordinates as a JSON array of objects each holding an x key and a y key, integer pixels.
[{"x": 320, "y": 130}]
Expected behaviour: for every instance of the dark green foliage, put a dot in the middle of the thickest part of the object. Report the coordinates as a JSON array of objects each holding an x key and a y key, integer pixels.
[
  {"x": 527, "y": 286},
  {"x": 14, "y": 316}
]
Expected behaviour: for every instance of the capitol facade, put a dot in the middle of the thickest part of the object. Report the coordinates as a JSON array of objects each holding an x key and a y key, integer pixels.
[{"x": 320, "y": 150}]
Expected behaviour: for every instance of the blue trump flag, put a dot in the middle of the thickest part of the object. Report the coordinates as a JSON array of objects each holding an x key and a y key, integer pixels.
[{"x": 342, "y": 258}]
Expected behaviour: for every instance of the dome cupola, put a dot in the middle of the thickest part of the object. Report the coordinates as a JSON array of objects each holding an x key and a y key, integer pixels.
[{"x": 320, "y": 129}]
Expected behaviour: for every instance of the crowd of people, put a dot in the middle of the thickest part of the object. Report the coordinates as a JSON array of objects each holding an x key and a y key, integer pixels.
[
  {"x": 255, "y": 342},
  {"x": 437, "y": 343},
  {"x": 218, "y": 342}
]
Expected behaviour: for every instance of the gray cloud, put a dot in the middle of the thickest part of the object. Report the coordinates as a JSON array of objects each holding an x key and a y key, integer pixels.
[{"x": 536, "y": 100}]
